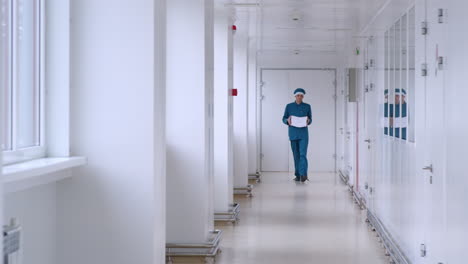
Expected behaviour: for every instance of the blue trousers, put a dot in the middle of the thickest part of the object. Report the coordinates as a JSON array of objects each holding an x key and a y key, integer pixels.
[{"x": 299, "y": 149}]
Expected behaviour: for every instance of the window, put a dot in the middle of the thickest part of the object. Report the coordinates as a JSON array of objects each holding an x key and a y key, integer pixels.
[
  {"x": 400, "y": 78},
  {"x": 21, "y": 78}
]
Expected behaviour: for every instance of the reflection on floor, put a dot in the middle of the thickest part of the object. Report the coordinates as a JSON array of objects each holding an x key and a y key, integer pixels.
[{"x": 289, "y": 223}]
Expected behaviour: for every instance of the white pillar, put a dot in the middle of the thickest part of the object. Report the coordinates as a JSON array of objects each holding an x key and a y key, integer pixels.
[
  {"x": 189, "y": 120},
  {"x": 3, "y": 83},
  {"x": 241, "y": 107},
  {"x": 252, "y": 108},
  {"x": 223, "y": 110},
  {"x": 112, "y": 209},
  {"x": 160, "y": 126}
]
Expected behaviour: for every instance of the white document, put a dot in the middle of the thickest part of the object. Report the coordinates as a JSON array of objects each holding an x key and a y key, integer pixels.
[{"x": 299, "y": 121}]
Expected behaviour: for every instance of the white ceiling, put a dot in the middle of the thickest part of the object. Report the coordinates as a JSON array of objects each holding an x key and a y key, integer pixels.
[{"x": 321, "y": 25}]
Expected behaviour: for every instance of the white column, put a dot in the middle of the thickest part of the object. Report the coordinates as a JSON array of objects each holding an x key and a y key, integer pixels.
[
  {"x": 159, "y": 119},
  {"x": 252, "y": 108},
  {"x": 3, "y": 82},
  {"x": 111, "y": 210},
  {"x": 189, "y": 120},
  {"x": 223, "y": 111},
  {"x": 241, "y": 107},
  {"x": 57, "y": 52}
]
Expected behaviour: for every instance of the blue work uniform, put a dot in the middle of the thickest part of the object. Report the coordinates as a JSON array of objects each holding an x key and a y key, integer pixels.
[
  {"x": 299, "y": 137},
  {"x": 401, "y": 128},
  {"x": 388, "y": 113}
]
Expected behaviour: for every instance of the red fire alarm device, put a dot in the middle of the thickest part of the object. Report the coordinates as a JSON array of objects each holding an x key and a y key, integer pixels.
[
  {"x": 234, "y": 28},
  {"x": 233, "y": 92}
]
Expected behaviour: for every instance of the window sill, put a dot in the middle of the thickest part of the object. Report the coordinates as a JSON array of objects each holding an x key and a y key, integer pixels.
[{"x": 25, "y": 175}]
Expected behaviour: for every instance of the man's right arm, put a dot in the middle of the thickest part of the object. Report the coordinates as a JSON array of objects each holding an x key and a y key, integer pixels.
[{"x": 286, "y": 116}]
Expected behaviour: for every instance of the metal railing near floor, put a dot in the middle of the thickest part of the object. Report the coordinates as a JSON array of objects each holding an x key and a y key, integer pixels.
[
  {"x": 256, "y": 177},
  {"x": 392, "y": 249},
  {"x": 208, "y": 250},
  {"x": 247, "y": 190},
  {"x": 356, "y": 196},
  {"x": 344, "y": 177},
  {"x": 231, "y": 216}
]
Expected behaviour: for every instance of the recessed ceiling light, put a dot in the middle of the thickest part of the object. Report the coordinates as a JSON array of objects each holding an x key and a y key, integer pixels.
[{"x": 243, "y": 4}]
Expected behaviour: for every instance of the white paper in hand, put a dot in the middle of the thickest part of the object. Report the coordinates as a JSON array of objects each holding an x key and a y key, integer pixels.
[{"x": 298, "y": 121}]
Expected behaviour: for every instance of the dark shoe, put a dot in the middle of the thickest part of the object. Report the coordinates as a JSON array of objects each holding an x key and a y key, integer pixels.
[
  {"x": 304, "y": 178},
  {"x": 297, "y": 179}
]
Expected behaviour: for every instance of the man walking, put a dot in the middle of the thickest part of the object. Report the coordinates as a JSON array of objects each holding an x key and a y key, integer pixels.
[{"x": 299, "y": 132}]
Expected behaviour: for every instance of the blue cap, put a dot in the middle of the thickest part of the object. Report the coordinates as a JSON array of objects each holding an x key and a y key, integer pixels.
[
  {"x": 299, "y": 91},
  {"x": 398, "y": 91}
]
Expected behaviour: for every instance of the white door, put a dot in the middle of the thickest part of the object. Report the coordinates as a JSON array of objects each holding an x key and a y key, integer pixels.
[
  {"x": 275, "y": 145},
  {"x": 435, "y": 138},
  {"x": 278, "y": 88},
  {"x": 369, "y": 122}
]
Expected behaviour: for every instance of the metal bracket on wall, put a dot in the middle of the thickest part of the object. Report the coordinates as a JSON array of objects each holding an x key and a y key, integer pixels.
[
  {"x": 423, "y": 250},
  {"x": 11, "y": 240},
  {"x": 424, "y": 28},
  {"x": 441, "y": 15},
  {"x": 440, "y": 63},
  {"x": 424, "y": 70}
]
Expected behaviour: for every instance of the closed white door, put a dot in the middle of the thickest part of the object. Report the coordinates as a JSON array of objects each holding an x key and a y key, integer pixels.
[
  {"x": 274, "y": 141},
  {"x": 278, "y": 88},
  {"x": 435, "y": 171}
]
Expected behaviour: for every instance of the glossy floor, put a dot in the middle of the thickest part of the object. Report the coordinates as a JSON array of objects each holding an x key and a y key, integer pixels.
[{"x": 289, "y": 223}]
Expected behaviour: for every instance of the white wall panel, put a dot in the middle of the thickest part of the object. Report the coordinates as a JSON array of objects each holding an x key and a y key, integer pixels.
[
  {"x": 390, "y": 168},
  {"x": 456, "y": 127}
]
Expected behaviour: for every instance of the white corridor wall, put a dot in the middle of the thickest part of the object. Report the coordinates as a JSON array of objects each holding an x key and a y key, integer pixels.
[{"x": 415, "y": 210}]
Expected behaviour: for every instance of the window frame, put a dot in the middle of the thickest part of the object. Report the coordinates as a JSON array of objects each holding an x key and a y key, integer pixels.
[
  {"x": 16, "y": 154},
  {"x": 405, "y": 70}
]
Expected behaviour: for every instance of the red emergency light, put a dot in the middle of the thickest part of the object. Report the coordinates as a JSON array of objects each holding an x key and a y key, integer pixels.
[{"x": 233, "y": 92}]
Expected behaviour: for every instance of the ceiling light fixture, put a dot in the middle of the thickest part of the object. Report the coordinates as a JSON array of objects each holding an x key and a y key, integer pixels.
[{"x": 243, "y": 4}]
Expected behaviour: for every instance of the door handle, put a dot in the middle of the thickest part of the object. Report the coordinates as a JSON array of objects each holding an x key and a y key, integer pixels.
[
  {"x": 368, "y": 141},
  {"x": 429, "y": 168}
]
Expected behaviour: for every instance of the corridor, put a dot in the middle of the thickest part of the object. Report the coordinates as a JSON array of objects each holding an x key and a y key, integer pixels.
[
  {"x": 132, "y": 132},
  {"x": 287, "y": 222}
]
